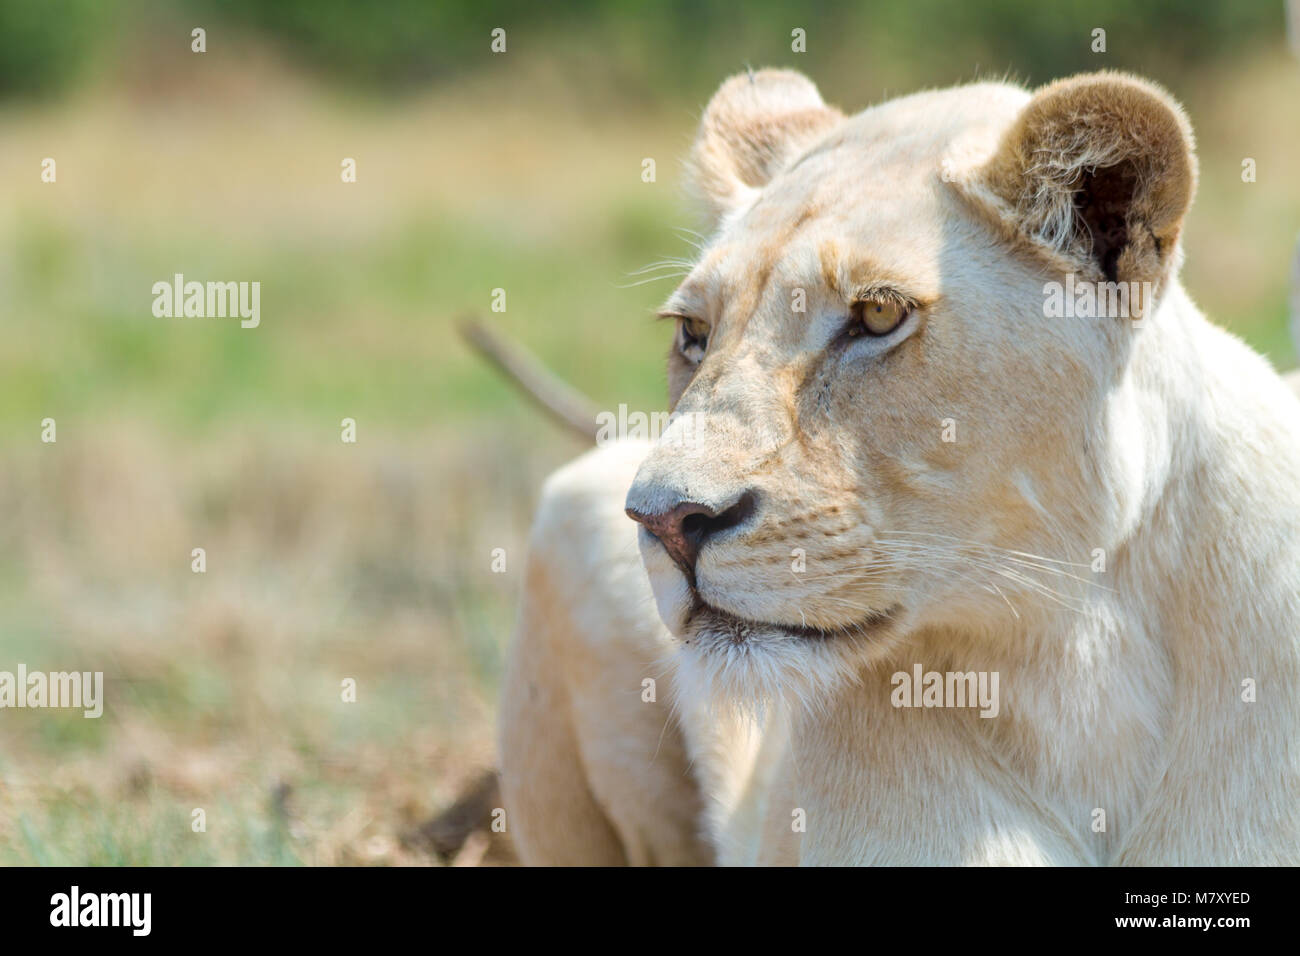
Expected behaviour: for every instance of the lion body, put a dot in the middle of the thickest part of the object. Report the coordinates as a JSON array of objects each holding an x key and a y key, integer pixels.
[{"x": 1115, "y": 532}]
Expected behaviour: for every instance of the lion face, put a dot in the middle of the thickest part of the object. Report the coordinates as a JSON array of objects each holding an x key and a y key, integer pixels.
[{"x": 877, "y": 428}]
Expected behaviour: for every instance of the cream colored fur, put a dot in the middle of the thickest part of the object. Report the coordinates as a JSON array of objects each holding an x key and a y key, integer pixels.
[{"x": 1165, "y": 447}]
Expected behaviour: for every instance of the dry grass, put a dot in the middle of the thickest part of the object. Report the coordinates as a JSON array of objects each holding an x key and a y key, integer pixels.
[{"x": 325, "y": 561}]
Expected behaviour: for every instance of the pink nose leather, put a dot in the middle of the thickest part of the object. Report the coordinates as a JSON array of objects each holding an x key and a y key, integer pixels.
[{"x": 670, "y": 528}]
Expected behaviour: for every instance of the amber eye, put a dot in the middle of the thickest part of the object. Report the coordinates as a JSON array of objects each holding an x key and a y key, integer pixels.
[
  {"x": 877, "y": 316},
  {"x": 692, "y": 338}
]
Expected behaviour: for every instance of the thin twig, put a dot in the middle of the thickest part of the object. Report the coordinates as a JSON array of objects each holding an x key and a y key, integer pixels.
[{"x": 565, "y": 404}]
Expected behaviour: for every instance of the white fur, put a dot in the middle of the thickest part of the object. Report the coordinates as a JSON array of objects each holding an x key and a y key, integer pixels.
[{"x": 1121, "y": 691}]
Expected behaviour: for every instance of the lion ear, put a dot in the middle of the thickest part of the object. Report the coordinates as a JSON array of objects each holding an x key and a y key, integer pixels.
[
  {"x": 1100, "y": 168},
  {"x": 754, "y": 126}
]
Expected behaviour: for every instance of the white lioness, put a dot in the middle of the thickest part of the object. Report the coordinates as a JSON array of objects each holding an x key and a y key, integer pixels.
[{"x": 894, "y": 454}]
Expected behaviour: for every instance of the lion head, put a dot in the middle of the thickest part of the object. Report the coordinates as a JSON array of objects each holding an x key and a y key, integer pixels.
[{"x": 880, "y": 424}]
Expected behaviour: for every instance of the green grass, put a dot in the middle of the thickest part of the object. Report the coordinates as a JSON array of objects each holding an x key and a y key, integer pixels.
[{"x": 347, "y": 328}]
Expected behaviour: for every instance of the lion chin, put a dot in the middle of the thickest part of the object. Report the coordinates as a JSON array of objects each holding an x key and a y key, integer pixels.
[
  {"x": 746, "y": 667},
  {"x": 744, "y": 664}
]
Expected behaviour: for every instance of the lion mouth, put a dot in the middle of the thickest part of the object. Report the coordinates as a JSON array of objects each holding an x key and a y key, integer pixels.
[{"x": 705, "y": 618}]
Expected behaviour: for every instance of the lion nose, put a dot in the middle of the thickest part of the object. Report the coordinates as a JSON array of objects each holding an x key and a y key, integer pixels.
[{"x": 684, "y": 527}]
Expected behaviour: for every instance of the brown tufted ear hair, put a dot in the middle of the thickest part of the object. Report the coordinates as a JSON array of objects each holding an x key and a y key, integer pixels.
[{"x": 1101, "y": 169}]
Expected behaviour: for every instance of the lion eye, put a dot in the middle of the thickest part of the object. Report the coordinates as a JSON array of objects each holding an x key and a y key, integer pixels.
[
  {"x": 693, "y": 339},
  {"x": 877, "y": 317}
]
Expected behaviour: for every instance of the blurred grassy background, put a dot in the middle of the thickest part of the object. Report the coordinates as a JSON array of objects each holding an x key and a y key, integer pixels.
[{"x": 476, "y": 171}]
